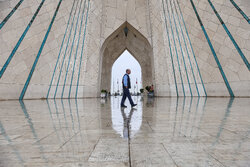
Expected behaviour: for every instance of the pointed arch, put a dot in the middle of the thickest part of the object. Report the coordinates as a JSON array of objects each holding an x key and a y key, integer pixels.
[
  {"x": 116, "y": 44},
  {"x": 124, "y": 61}
]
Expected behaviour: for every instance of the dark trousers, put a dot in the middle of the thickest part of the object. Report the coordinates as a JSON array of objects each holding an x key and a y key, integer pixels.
[{"x": 126, "y": 94}]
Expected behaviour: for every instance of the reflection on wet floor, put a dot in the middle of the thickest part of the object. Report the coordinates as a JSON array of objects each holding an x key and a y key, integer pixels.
[
  {"x": 125, "y": 120},
  {"x": 97, "y": 132}
]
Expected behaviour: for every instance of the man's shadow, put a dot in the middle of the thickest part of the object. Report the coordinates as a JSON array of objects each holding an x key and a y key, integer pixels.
[{"x": 126, "y": 122}]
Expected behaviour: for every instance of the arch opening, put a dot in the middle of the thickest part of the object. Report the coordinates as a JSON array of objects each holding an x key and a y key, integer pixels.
[
  {"x": 126, "y": 60},
  {"x": 126, "y": 37}
]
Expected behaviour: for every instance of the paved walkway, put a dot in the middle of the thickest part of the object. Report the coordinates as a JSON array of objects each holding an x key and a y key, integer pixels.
[{"x": 159, "y": 132}]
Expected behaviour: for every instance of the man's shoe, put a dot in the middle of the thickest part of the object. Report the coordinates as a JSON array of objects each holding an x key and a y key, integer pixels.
[
  {"x": 134, "y": 105},
  {"x": 123, "y": 106}
]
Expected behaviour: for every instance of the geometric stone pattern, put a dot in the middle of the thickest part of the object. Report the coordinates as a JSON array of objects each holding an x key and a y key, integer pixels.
[
  {"x": 235, "y": 70},
  {"x": 174, "y": 132},
  {"x": 136, "y": 44},
  {"x": 104, "y": 19}
]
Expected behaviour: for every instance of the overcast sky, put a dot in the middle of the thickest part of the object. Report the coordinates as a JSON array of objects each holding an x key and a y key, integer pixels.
[{"x": 126, "y": 60}]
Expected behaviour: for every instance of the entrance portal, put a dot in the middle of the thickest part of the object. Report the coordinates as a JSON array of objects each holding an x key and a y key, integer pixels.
[
  {"x": 125, "y": 61},
  {"x": 126, "y": 37}
]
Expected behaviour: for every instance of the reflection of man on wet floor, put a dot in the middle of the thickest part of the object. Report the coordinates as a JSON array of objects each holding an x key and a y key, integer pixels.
[
  {"x": 126, "y": 86},
  {"x": 126, "y": 122}
]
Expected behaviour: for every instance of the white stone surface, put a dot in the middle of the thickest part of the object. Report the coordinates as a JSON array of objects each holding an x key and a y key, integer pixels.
[
  {"x": 95, "y": 132},
  {"x": 106, "y": 19}
]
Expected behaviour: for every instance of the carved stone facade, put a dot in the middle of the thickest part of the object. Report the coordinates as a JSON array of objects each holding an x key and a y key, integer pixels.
[{"x": 87, "y": 36}]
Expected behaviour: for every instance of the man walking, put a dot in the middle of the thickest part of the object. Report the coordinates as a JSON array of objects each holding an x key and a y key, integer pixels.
[{"x": 126, "y": 86}]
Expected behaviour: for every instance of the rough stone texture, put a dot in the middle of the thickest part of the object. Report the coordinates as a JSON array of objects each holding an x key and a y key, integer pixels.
[{"x": 147, "y": 41}]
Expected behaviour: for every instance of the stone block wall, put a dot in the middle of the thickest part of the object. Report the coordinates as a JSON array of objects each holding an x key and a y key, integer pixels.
[
  {"x": 67, "y": 59},
  {"x": 236, "y": 71}
]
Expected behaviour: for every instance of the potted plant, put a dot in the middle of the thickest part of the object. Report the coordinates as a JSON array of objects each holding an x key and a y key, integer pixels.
[
  {"x": 141, "y": 91},
  {"x": 103, "y": 93},
  {"x": 150, "y": 90},
  {"x": 147, "y": 88}
]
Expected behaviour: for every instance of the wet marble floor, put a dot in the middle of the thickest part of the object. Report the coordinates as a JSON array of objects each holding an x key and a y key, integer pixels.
[{"x": 159, "y": 132}]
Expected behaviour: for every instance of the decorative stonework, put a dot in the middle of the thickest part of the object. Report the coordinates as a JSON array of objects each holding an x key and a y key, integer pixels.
[{"x": 154, "y": 39}]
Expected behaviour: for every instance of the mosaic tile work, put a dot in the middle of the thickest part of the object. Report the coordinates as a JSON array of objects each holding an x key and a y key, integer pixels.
[{"x": 97, "y": 132}]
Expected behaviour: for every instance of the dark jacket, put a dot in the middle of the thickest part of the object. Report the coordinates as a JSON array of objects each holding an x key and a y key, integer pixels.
[{"x": 128, "y": 81}]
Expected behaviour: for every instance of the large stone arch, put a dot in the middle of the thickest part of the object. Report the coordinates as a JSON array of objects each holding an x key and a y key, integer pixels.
[{"x": 116, "y": 44}]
